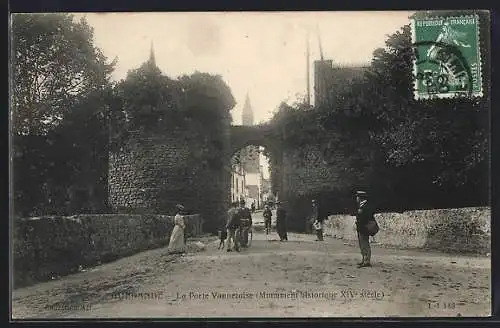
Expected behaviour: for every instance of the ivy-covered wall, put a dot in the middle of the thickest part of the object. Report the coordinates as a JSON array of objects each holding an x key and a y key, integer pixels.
[
  {"x": 170, "y": 144},
  {"x": 308, "y": 173},
  {"x": 375, "y": 136}
]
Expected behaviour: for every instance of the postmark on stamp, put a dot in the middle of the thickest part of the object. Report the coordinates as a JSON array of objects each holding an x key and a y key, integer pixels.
[{"x": 447, "y": 59}]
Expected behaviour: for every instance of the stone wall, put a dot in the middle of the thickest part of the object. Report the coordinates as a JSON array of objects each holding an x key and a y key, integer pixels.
[
  {"x": 155, "y": 170},
  {"x": 305, "y": 172},
  {"x": 308, "y": 174},
  {"x": 462, "y": 230},
  {"x": 45, "y": 247},
  {"x": 147, "y": 172}
]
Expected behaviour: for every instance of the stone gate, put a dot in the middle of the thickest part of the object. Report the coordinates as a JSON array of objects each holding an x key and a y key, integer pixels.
[
  {"x": 257, "y": 135},
  {"x": 155, "y": 170}
]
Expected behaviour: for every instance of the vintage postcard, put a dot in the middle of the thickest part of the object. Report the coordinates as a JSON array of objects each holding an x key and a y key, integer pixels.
[{"x": 250, "y": 164}]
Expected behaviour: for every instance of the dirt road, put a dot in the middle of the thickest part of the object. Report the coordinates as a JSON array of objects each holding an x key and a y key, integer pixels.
[{"x": 298, "y": 278}]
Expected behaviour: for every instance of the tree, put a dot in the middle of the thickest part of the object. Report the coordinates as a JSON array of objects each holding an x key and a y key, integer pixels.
[
  {"x": 60, "y": 93},
  {"x": 439, "y": 144},
  {"x": 200, "y": 103},
  {"x": 146, "y": 99},
  {"x": 433, "y": 146},
  {"x": 442, "y": 133},
  {"x": 206, "y": 97},
  {"x": 55, "y": 65}
]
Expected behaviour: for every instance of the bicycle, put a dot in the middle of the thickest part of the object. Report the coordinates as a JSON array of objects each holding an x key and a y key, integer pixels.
[{"x": 248, "y": 227}]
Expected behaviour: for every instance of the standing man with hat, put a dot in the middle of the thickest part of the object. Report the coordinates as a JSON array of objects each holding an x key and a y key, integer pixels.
[
  {"x": 281, "y": 222},
  {"x": 364, "y": 215},
  {"x": 246, "y": 223},
  {"x": 318, "y": 220},
  {"x": 233, "y": 225},
  {"x": 267, "y": 214}
]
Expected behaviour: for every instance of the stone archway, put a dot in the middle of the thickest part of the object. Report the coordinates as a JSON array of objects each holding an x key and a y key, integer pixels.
[
  {"x": 242, "y": 136},
  {"x": 263, "y": 136}
]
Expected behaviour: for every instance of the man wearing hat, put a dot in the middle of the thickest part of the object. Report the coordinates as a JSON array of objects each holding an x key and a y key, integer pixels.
[
  {"x": 246, "y": 223},
  {"x": 363, "y": 216},
  {"x": 267, "y": 214},
  {"x": 281, "y": 221},
  {"x": 232, "y": 226},
  {"x": 317, "y": 220}
]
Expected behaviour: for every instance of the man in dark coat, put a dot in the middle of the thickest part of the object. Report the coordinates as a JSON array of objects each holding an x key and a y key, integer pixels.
[
  {"x": 363, "y": 216},
  {"x": 267, "y": 218},
  {"x": 246, "y": 223},
  {"x": 318, "y": 219},
  {"x": 233, "y": 225},
  {"x": 281, "y": 222}
]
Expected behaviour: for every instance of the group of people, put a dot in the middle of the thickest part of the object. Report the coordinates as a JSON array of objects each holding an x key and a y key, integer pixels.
[
  {"x": 280, "y": 220},
  {"x": 366, "y": 226},
  {"x": 239, "y": 223}
]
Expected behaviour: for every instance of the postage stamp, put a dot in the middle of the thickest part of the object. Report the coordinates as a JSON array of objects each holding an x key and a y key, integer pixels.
[{"x": 447, "y": 59}]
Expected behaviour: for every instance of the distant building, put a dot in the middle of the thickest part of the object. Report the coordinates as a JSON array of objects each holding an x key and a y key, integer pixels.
[
  {"x": 250, "y": 159},
  {"x": 250, "y": 154},
  {"x": 238, "y": 188},
  {"x": 265, "y": 190},
  {"x": 322, "y": 79},
  {"x": 329, "y": 80}
]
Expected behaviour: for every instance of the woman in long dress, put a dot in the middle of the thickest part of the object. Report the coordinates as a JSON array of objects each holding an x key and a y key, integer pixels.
[{"x": 177, "y": 244}]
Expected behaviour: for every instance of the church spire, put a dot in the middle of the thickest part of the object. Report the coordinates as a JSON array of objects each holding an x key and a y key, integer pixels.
[
  {"x": 152, "y": 59},
  {"x": 247, "y": 112}
]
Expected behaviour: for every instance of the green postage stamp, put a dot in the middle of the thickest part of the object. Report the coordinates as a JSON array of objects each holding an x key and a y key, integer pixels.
[{"x": 447, "y": 59}]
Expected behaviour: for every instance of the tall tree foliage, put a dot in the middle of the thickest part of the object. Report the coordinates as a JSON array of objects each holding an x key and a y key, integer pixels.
[
  {"x": 59, "y": 97},
  {"x": 447, "y": 137},
  {"x": 199, "y": 103},
  {"x": 416, "y": 149},
  {"x": 55, "y": 65}
]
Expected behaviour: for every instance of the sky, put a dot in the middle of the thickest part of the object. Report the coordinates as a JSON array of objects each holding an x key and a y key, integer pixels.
[
  {"x": 262, "y": 54},
  {"x": 256, "y": 53}
]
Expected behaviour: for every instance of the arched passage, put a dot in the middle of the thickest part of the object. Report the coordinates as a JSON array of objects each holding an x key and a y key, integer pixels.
[{"x": 258, "y": 136}]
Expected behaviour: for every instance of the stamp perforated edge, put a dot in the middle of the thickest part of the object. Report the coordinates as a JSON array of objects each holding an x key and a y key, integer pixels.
[{"x": 416, "y": 95}]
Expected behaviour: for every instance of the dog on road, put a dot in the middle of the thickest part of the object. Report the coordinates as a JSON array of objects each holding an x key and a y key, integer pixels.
[{"x": 222, "y": 238}]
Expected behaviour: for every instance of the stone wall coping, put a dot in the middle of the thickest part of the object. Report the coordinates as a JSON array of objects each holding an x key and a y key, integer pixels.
[
  {"x": 483, "y": 208},
  {"x": 79, "y": 216}
]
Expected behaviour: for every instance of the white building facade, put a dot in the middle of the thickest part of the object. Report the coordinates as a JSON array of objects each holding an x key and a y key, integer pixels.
[{"x": 238, "y": 183}]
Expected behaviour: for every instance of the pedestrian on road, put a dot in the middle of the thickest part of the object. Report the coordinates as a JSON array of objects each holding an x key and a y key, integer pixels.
[
  {"x": 364, "y": 216},
  {"x": 253, "y": 207},
  {"x": 246, "y": 223},
  {"x": 281, "y": 222},
  {"x": 177, "y": 243},
  {"x": 267, "y": 218},
  {"x": 318, "y": 220},
  {"x": 233, "y": 225}
]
